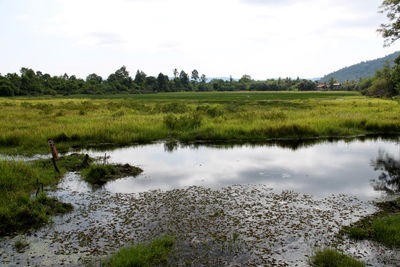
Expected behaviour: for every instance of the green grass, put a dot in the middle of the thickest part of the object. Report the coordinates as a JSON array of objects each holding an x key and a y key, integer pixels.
[
  {"x": 383, "y": 226},
  {"x": 98, "y": 174},
  {"x": 387, "y": 230},
  {"x": 18, "y": 210},
  {"x": 154, "y": 253},
  {"x": 26, "y": 123},
  {"x": 333, "y": 258}
]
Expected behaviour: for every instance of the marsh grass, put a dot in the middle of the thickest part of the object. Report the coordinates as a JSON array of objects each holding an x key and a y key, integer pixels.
[
  {"x": 23, "y": 204},
  {"x": 154, "y": 253},
  {"x": 18, "y": 210},
  {"x": 98, "y": 174},
  {"x": 333, "y": 258},
  {"x": 25, "y": 124},
  {"x": 383, "y": 226}
]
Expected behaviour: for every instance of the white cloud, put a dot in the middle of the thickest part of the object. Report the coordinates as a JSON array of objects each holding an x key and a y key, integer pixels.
[{"x": 262, "y": 38}]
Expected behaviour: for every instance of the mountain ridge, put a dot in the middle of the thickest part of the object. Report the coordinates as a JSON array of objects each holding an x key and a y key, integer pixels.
[{"x": 363, "y": 69}]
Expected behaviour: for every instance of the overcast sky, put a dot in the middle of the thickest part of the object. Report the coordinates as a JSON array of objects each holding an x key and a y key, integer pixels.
[{"x": 262, "y": 38}]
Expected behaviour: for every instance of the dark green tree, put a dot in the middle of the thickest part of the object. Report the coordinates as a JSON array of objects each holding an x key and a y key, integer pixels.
[
  {"x": 195, "y": 75},
  {"x": 390, "y": 31}
]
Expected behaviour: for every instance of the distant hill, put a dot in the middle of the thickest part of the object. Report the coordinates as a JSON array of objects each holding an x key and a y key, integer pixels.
[{"x": 364, "y": 69}]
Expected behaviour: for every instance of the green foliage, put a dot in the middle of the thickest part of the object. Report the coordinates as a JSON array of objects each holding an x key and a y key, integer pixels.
[
  {"x": 99, "y": 174},
  {"x": 185, "y": 122},
  {"x": 390, "y": 31},
  {"x": 383, "y": 226},
  {"x": 29, "y": 83},
  {"x": 387, "y": 230},
  {"x": 24, "y": 127},
  {"x": 154, "y": 253},
  {"x": 19, "y": 211},
  {"x": 333, "y": 258},
  {"x": 357, "y": 233}
]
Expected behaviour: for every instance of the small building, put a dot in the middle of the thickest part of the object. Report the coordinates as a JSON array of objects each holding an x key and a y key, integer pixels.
[
  {"x": 322, "y": 87},
  {"x": 336, "y": 85}
]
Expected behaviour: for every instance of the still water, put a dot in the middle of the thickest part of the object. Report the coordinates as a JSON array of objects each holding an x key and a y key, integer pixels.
[
  {"x": 280, "y": 201},
  {"x": 348, "y": 167}
]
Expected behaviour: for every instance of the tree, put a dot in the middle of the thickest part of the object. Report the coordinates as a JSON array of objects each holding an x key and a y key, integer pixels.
[
  {"x": 184, "y": 78},
  {"x": 94, "y": 78},
  {"x": 175, "y": 71},
  {"x": 390, "y": 31},
  {"x": 245, "y": 79},
  {"x": 162, "y": 82},
  {"x": 203, "y": 78},
  {"x": 195, "y": 75},
  {"x": 140, "y": 77}
]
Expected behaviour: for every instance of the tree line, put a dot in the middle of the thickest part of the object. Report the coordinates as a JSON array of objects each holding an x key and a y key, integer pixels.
[{"x": 31, "y": 83}]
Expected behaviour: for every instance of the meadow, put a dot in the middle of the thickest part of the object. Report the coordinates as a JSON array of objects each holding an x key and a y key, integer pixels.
[{"x": 26, "y": 123}]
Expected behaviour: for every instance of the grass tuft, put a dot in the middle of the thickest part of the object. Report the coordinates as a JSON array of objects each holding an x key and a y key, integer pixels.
[
  {"x": 98, "y": 174},
  {"x": 383, "y": 226},
  {"x": 154, "y": 253},
  {"x": 333, "y": 258}
]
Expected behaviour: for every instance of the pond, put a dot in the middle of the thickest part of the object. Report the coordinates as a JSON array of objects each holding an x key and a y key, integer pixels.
[
  {"x": 340, "y": 167},
  {"x": 250, "y": 204}
]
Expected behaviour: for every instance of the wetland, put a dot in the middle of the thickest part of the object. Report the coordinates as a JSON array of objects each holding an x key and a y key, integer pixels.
[{"x": 245, "y": 204}]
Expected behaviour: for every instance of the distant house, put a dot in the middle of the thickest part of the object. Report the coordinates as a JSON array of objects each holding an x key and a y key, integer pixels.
[
  {"x": 336, "y": 85},
  {"x": 322, "y": 87}
]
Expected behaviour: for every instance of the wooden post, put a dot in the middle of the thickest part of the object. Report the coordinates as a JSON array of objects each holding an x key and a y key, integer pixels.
[
  {"x": 85, "y": 162},
  {"x": 53, "y": 153}
]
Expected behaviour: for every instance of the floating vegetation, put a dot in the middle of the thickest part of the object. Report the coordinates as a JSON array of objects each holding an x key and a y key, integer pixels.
[{"x": 243, "y": 224}]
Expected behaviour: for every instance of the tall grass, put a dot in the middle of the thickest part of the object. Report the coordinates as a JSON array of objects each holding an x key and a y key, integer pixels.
[{"x": 25, "y": 124}]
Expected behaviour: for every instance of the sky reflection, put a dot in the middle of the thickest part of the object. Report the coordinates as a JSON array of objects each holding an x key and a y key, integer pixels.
[{"x": 319, "y": 170}]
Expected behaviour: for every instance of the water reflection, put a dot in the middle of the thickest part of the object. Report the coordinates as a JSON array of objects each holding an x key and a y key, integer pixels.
[
  {"x": 320, "y": 170},
  {"x": 389, "y": 179},
  {"x": 293, "y": 144}
]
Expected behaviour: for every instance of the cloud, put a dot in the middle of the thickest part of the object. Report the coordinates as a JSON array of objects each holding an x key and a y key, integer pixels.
[
  {"x": 106, "y": 38},
  {"x": 267, "y": 2}
]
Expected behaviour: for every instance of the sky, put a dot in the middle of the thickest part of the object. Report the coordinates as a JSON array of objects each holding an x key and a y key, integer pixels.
[{"x": 219, "y": 38}]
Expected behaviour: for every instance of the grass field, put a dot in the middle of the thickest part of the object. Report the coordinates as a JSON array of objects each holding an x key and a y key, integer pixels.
[{"x": 26, "y": 123}]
